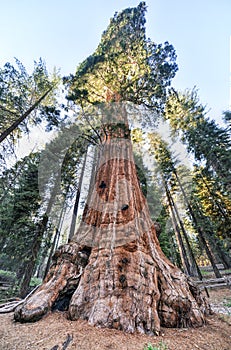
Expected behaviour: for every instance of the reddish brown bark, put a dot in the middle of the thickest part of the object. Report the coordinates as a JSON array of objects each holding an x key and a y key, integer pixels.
[
  {"x": 128, "y": 283},
  {"x": 62, "y": 280}
]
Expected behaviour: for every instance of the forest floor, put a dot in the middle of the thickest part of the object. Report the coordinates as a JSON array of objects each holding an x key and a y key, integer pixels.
[{"x": 55, "y": 332}]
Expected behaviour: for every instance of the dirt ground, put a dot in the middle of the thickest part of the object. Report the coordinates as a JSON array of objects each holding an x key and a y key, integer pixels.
[{"x": 54, "y": 330}]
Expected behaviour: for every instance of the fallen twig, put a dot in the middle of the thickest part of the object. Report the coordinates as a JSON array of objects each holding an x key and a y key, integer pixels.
[
  {"x": 65, "y": 343},
  {"x": 11, "y": 306}
]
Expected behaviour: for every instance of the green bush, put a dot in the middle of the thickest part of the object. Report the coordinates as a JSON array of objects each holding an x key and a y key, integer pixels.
[
  {"x": 161, "y": 346},
  {"x": 227, "y": 302},
  {"x": 35, "y": 281},
  {"x": 7, "y": 275}
]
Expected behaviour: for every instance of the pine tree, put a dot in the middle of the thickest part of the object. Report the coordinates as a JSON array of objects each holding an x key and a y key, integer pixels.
[
  {"x": 19, "y": 210},
  {"x": 209, "y": 143},
  {"x": 214, "y": 202}
]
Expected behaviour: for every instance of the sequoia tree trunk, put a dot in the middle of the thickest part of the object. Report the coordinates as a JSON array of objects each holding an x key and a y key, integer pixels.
[{"x": 120, "y": 275}]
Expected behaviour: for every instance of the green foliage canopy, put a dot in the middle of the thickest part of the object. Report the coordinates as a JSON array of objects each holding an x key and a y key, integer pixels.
[{"x": 126, "y": 66}]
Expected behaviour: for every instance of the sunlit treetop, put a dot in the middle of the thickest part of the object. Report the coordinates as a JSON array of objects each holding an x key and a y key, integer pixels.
[{"x": 126, "y": 66}]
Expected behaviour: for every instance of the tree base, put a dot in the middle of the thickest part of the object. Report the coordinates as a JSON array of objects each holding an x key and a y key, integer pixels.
[
  {"x": 58, "y": 286},
  {"x": 131, "y": 288}
]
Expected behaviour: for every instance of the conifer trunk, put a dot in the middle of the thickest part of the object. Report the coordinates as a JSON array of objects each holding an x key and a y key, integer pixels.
[
  {"x": 121, "y": 277},
  {"x": 15, "y": 124},
  {"x": 182, "y": 250},
  {"x": 194, "y": 269},
  {"x": 54, "y": 241},
  {"x": 199, "y": 230},
  {"x": 29, "y": 269},
  {"x": 77, "y": 197}
]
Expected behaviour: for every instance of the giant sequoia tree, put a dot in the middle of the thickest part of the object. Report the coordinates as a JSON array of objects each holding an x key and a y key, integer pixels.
[{"x": 113, "y": 271}]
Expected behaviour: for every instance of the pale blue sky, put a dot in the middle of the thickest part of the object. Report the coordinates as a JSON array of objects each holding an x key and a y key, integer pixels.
[{"x": 63, "y": 33}]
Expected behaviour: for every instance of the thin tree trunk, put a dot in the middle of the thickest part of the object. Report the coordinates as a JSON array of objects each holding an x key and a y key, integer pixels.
[
  {"x": 93, "y": 172},
  {"x": 77, "y": 197},
  {"x": 215, "y": 243},
  {"x": 225, "y": 259},
  {"x": 41, "y": 227},
  {"x": 20, "y": 273},
  {"x": 199, "y": 230},
  {"x": 194, "y": 269},
  {"x": 54, "y": 243},
  {"x": 194, "y": 263},
  {"x": 183, "y": 254},
  {"x": 13, "y": 126},
  {"x": 33, "y": 257}
]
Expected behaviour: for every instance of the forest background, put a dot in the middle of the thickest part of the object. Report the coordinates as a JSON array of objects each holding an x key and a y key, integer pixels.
[{"x": 200, "y": 35}]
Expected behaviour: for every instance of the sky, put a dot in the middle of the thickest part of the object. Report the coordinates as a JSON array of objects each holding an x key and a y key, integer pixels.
[{"x": 63, "y": 33}]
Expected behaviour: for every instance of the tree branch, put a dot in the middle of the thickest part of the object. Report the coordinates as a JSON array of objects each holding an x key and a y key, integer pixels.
[{"x": 13, "y": 126}]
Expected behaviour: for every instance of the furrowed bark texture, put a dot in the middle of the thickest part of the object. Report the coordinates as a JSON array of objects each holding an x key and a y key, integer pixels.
[
  {"x": 61, "y": 281},
  {"x": 127, "y": 282}
]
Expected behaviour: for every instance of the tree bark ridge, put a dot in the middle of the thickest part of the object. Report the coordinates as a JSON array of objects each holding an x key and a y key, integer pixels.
[
  {"x": 126, "y": 282},
  {"x": 63, "y": 277}
]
